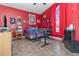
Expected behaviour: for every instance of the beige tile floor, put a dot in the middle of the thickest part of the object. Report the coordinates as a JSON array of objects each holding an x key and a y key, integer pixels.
[{"x": 25, "y": 47}]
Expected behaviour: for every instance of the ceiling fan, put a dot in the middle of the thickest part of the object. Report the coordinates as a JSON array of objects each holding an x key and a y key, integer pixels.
[{"x": 38, "y": 3}]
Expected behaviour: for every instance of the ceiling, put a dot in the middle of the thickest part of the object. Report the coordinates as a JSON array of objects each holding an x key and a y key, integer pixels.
[{"x": 38, "y": 8}]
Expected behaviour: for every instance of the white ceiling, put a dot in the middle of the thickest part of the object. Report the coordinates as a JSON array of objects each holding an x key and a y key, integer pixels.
[{"x": 39, "y": 8}]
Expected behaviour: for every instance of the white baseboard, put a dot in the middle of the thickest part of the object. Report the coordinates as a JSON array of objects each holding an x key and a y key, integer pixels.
[{"x": 56, "y": 38}]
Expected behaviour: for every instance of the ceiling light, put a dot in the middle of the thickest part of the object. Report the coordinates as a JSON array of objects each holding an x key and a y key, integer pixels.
[{"x": 39, "y": 3}]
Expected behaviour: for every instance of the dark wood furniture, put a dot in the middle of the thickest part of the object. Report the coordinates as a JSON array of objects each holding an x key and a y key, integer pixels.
[
  {"x": 19, "y": 35},
  {"x": 69, "y": 41},
  {"x": 69, "y": 35}
]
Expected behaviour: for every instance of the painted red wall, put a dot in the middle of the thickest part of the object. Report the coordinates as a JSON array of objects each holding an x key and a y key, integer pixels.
[
  {"x": 68, "y": 14},
  {"x": 53, "y": 20},
  {"x": 76, "y": 20},
  {"x": 48, "y": 17},
  {"x": 50, "y": 12},
  {"x": 72, "y": 9},
  {"x": 61, "y": 21},
  {"x": 12, "y": 12}
]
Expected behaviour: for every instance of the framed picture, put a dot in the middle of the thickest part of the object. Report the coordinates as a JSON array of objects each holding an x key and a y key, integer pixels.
[
  {"x": 32, "y": 19},
  {"x": 38, "y": 21},
  {"x": 18, "y": 18},
  {"x": 23, "y": 21},
  {"x": 12, "y": 20},
  {"x": 44, "y": 16}
]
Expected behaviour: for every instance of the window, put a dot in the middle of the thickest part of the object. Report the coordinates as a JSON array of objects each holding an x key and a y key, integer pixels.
[{"x": 57, "y": 18}]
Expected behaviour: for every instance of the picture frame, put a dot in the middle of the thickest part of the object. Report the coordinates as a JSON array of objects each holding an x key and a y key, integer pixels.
[
  {"x": 12, "y": 21},
  {"x": 23, "y": 21},
  {"x": 32, "y": 19}
]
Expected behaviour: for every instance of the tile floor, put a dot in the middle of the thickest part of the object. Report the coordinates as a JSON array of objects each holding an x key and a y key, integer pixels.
[{"x": 24, "y": 47}]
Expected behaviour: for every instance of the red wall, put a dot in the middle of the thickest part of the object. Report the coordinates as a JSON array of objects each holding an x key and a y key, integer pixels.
[
  {"x": 73, "y": 9},
  {"x": 62, "y": 20},
  {"x": 68, "y": 14},
  {"x": 50, "y": 12},
  {"x": 12, "y": 12},
  {"x": 48, "y": 17},
  {"x": 76, "y": 20}
]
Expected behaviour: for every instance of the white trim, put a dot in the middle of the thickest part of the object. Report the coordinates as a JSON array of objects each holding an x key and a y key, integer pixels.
[{"x": 56, "y": 38}]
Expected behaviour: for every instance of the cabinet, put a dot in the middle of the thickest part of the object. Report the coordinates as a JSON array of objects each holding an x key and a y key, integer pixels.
[
  {"x": 69, "y": 35},
  {"x": 69, "y": 41},
  {"x": 19, "y": 35},
  {"x": 5, "y": 43}
]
